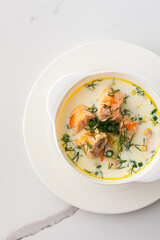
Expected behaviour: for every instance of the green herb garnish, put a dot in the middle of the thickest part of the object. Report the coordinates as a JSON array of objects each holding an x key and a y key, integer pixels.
[
  {"x": 120, "y": 163},
  {"x": 126, "y": 112},
  {"x": 81, "y": 146},
  {"x": 109, "y": 153},
  {"x": 87, "y": 171},
  {"x": 99, "y": 166},
  {"x": 134, "y": 165},
  {"x": 92, "y": 109},
  {"x": 125, "y": 98},
  {"x": 134, "y": 118},
  {"x": 113, "y": 92},
  {"x": 109, "y": 108},
  {"x": 140, "y": 164},
  {"x": 154, "y": 111},
  {"x": 99, "y": 173},
  {"x": 65, "y": 139},
  {"x": 70, "y": 149},
  {"x": 137, "y": 146},
  {"x": 103, "y": 126},
  {"x": 113, "y": 82},
  {"x": 139, "y": 91},
  {"x": 92, "y": 85},
  {"x": 67, "y": 126},
  {"x": 110, "y": 165},
  {"x": 89, "y": 145},
  {"x": 155, "y": 118},
  {"x": 76, "y": 156},
  {"x": 124, "y": 140},
  {"x": 144, "y": 141}
]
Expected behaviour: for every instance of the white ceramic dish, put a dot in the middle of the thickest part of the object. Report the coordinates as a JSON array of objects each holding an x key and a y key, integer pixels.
[
  {"x": 72, "y": 82},
  {"x": 38, "y": 129}
]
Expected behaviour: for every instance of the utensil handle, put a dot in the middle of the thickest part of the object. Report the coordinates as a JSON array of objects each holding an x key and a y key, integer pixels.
[{"x": 153, "y": 175}]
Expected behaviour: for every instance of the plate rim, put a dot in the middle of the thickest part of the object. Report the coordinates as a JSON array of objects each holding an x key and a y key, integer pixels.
[{"x": 27, "y": 103}]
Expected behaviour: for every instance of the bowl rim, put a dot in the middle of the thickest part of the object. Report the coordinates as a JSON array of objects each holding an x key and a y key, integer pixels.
[{"x": 136, "y": 177}]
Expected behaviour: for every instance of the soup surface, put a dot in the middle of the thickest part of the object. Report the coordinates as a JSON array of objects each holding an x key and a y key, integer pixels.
[{"x": 109, "y": 128}]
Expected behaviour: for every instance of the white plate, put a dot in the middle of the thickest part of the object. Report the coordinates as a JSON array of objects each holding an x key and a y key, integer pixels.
[{"x": 38, "y": 131}]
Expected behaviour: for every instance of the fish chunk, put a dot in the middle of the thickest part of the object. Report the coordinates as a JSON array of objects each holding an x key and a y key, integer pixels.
[
  {"x": 79, "y": 118},
  {"x": 128, "y": 128},
  {"x": 109, "y": 105},
  {"x": 112, "y": 163},
  {"x": 148, "y": 134},
  {"x": 92, "y": 144}
]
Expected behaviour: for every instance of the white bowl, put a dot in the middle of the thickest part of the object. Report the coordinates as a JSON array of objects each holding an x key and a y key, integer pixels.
[{"x": 63, "y": 88}]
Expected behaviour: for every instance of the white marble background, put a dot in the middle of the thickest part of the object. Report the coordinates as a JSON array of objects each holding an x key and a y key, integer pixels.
[{"x": 32, "y": 34}]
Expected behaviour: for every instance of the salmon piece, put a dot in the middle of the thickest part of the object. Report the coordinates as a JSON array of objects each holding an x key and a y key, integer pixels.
[
  {"x": 101, "y": 154},
  {"x": 92, "y": 144},
  {"x": 112, "y": 163},
  {"x": 79, "y": 118},
  {"x": 109, "y": 105},
  {"x": 148, "y": 134},
  {"x": 128, "y": 128},
  {"x": 145, "y": 148}
]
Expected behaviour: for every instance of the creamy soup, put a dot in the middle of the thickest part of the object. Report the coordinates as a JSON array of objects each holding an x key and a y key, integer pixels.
[{"x": 109, "y": 128}]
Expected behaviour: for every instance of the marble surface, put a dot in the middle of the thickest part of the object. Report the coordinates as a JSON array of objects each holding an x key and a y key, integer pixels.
[{"x": 32, "y": 34}]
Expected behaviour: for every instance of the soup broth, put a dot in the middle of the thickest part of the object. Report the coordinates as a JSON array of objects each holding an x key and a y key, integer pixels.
[{"x": 113, "y": 138}]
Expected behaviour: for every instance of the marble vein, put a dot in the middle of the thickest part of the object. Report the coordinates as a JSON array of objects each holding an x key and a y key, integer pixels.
[{"x": 33, "y": 228}]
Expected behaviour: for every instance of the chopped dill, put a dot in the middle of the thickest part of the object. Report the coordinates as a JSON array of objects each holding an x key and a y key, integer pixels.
[
  {"x": 103, "y": 126},
  {"x": 155, "y": 118},
  {"x": 113, "y": 92},
  {"x": 125, "y": 98},
  {"x": 76, "y": 156},
  {"x": 92, "y": 109},
  {"x": 80, "y": 146},
  {"x": 134, "y": 165},
  {"x": 134, "y": 119},
  {"x": 92, "y": 85},
  {"x": 137, "y": 146},
  {"x": 109, "y": 153},
  {"x": 126, "y": 112},
  {"x": 110, "y": 165},
  {"x": 108, "y": 107},
  {"x": 140, "y": 119},
  {"x": 65, "y": 139},
  {"x": 154, "y": 111},
  {"x": 139, "y": 91},
  {"x": 100, "y": 173},
  {"x": 113, "y": 82},
  {"x": 87, "y": 171},
  {"x": 140, "y": 164},
  {"x": 144, "y": 141},
  {"x": 89, "y": 145},
  {"x": 120, "y": 163},
  {"x": 99, "y": 166},
  {"x": 70, "y": 149}
]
